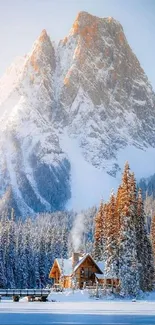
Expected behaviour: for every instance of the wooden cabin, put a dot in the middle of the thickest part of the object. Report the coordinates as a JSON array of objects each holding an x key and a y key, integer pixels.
[{"x": 80, "y": 271}]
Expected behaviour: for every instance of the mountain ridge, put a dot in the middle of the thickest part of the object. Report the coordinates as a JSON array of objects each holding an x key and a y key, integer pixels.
[{"x": 89, "y": 92}]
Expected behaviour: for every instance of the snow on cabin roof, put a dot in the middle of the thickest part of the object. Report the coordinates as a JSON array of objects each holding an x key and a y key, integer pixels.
[
  {"x": 99, "y": 276},
  {"x": 99, "y": 264},
  {"x": 67, "y": 264},
  {"x": 80, "y": 262},
  {"x": 105, "y": 276},
  {"x": 68, "y": 269}
]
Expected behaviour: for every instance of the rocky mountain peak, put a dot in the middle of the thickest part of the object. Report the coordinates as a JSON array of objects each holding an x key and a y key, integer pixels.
[
  {"x": 42, "y": 54},
  {"x": 43, "y": 37},
  {"x": 72, "y": 110},
  {"x": 86, "y": 26}
]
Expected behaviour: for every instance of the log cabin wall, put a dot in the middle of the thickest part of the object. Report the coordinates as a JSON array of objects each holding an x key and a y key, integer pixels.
[
  {"x": 86, "y": 273},
  {"x": 55, "y": 273},
  {"x": 67, "y": 282}
]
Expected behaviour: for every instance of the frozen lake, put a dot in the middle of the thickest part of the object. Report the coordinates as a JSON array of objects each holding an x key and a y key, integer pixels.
[{"x": 96, "y": 312}]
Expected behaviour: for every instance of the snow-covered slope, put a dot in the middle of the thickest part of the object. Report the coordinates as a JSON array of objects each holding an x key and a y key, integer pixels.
[
  {"x": 71, "y": 115},
  {"x": 36, "y": 169}
]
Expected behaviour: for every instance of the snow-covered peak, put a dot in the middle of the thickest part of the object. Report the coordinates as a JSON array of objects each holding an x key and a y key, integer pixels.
[
  {"x": 89, "y": 26},
  {"x": 70, "y": 114},
  {"x": 43, "y": 37},
  {"x": 42, "y": 55},
  {"x": 11, "y": 77}
]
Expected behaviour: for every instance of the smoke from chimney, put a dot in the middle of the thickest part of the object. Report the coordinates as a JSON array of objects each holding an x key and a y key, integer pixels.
[{"x": 77, "y": 232}]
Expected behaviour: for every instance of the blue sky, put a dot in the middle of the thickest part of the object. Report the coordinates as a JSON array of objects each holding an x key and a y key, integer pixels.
[{"x": 21, "y": 21}]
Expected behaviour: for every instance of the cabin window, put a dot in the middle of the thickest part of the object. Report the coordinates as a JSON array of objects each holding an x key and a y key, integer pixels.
[
  {"x": 90, "y": 272},
  {"x": 82, "y": 272},
  {"x": 86, "y": 272}
]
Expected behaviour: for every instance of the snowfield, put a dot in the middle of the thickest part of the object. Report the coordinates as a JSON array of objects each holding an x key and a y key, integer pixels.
[
  {"x": 78, "y": 308},
  {"x": 94, "y": 312}
]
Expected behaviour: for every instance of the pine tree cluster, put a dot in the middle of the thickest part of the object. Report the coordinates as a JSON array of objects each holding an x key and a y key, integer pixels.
[
  {"x": 28, "y": 247},
  {"x": 121, "y": 238}
]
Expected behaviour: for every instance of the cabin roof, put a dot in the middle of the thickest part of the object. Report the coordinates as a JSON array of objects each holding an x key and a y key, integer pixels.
[
  {"x": 83, "y": 259},
  {"x": 99, "y": 276},
  {"x": 67, "y": 264}
]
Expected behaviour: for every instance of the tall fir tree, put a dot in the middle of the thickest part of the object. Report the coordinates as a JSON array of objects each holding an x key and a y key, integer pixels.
[
  {"x": 98, "y": 236},
  {"x": 145, "y": 248},
  {"x": 111, "y": 249},
  {"x": 128, "y": 264},
  {"x": 2, "y": 268},
  {"x": 141, "y": 243},
  {"x": 153, "y": 236}
]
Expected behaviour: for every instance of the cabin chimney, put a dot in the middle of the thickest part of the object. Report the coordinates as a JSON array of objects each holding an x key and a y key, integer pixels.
[{"x": 75, "y": 259}]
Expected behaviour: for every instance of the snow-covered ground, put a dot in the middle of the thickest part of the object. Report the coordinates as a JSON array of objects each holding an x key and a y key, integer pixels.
[
  {"x": 84, "y": 296},
  {"x": 94, "y": 312},
  {"x": 78, "y": 308}
]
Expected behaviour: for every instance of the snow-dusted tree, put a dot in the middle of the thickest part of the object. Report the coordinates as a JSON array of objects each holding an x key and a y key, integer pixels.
[
  {"x": 64, "y": 243},
  {"x": 98, "y": 240},
  {"x": 111, "y": 247},
  {"x": 2, "y": 267},
  {"x": 37, "y": 283},
  {"x": 49, "y": 238},
  {"x": 10, "y": 254},
  {"x": 118, "y": 211},
  {"x": 24, "y": 276},
  {"x": 128, "y": 263},
  {"x": 145, "y": 253},
  {"x": 18, "y": 260},
  {"x": 2, "y": 274},
  {"x": 42, "y": 262},
  {"x": 141, "y": 243},
  {"x": 153, "y": 236},
  {"x": 150, "y": 274}
]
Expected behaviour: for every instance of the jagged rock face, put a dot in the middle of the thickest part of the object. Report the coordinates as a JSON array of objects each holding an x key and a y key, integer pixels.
[
  {"x": 105, "y": 91},
  {"x": 91, "y": 88}
]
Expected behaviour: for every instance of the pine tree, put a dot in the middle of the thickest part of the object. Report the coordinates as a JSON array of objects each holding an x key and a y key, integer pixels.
[
  {"x": 111, "y": 249},
  {"x": 150, "y": 274},
  {"x": 10, "y": 256},
  {"x": 128, "y": 265},
  {"x": 153, "y": 235},
  {"x": 118, "y": 211},
  {"x": 37, "y": 283},
  {"x": 42, "y": 263},
  {"x": 2, "y": 274},
  {"x": 2, "y": 267},
  {"x": 64, "y": 243},
  {"x": 145, "y": 253},
  {"x": 28, "y": 238},
  {"x": 141, "y": 243},
  {"x": 98, "y": 236}
]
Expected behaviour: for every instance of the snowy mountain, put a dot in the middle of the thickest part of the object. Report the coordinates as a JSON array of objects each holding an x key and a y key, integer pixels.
[{"x": 70, "y": 116}]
